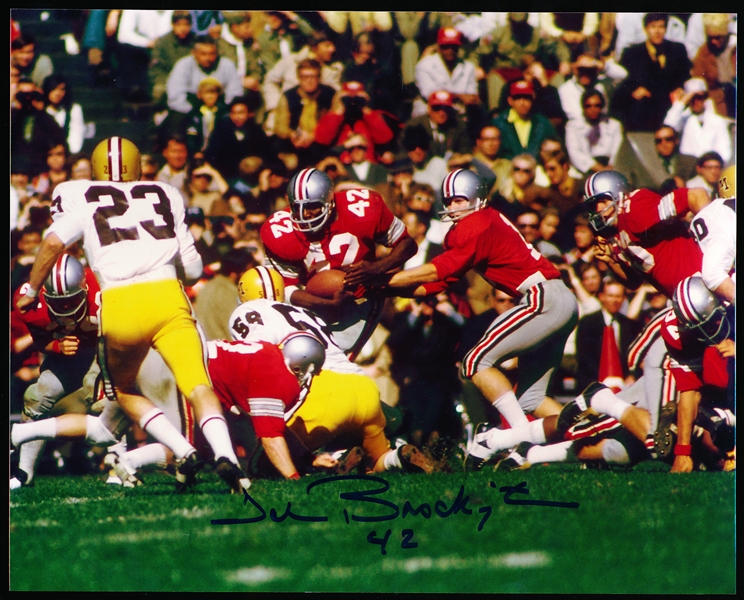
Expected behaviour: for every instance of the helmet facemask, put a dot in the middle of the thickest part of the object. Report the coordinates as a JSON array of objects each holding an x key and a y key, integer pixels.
[
  {"x": 300, "y": 223},
  {"x": 71, "y": 307},
  {"x": 601, "y": 222},
  {"x": 448, "y": 215}
]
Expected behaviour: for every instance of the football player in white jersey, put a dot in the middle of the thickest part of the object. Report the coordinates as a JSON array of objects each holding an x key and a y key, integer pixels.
[
  {"x": 136, "y": 241},
  {"x": 342, "y": 399},
  {"x": 714, "y": 228}
]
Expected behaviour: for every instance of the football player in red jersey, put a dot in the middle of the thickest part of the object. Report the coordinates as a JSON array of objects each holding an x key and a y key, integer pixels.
[
  {"x": 535, "y": 330},
  {"x": 698, "y": 335},
  {"x": 641, "y": 235},
  {"x": 323, "y": 229},
  {"x": 64, "y": 326}
]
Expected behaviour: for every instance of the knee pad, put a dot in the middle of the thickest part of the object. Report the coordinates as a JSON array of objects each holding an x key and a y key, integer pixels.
[
  {"x": 40, "y": 397},
  {"x": 614, "y": 453},
  {"x": 96, "y": 432}
]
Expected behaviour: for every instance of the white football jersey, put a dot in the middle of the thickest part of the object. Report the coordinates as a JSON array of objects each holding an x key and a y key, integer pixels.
[
  {"x": 270, "y": 321},
  {"x": 714, "y": 228},
  {"x": 130, "y": 231}
]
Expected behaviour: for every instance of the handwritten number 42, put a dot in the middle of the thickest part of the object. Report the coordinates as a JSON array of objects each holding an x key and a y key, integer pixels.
[{"x": 406, "y": 544}]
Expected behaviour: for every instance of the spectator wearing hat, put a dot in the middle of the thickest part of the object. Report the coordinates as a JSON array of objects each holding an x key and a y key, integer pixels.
[
  {"x": 200, "y": 122},
  {"x": 445, "y": 70},
  {"x": 448, "y": 131},
  {"x": 715, "y": 61},
  {"x": 709, "y": 167},
  {"x": 350, "y": 113},
  {"x": 237, "y": 135},
  {"x": 656, "y": 68},
  {"x": 693, "y": 116},
  {"x": 505, "y": 52},
  {"x": 236, "y": 43},
  {"x": 298, "y": 112},
  {"x": 167, "y": 51},
  {"x": 522, "y": 129}
]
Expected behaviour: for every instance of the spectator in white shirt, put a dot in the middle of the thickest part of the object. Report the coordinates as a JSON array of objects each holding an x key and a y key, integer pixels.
[
  {"x": 589, "y": 72},
  {"x": 593, "y": 140},
  {"x": 138, "y": 30},
  {"x": 693, "y": 116}
]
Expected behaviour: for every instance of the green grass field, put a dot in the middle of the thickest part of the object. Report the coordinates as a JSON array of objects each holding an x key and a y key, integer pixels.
[{"x": 641, "y": 531}]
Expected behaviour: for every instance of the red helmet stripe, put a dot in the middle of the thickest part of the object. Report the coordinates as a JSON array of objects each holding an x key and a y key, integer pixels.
[
  {"x": 588, "y": 186},
  {"x": 60, "y": 269},
  {"x": 300, "y": 192},
  {"x": 684, "y": 303},
  {"x": 449, "y": 184}
]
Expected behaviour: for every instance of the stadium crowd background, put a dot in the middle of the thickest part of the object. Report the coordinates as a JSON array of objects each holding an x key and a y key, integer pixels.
[{"x": 533, "y": 102}]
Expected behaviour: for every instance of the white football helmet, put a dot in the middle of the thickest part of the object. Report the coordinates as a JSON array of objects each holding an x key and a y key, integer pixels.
[
  {"x": 699, "y": 311},
  {"x": 462, "y": 183},
  {"x": 66, "y": 291},
  {"x": 310, "y": 189},
  {"x": 304, "y": 355},
  {"x": 605, "y": 185}
]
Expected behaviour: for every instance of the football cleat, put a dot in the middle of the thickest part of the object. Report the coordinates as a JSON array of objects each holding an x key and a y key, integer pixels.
[
  {"x": 414, "y": 461},
  {"x": 232, "y": 475},
  {"x": 19, "y": 479},
  {"x": 186, "y": 470},
  {"x": 350, "y": 461},
  {"x": 478, "y": 452},
  {"x": 109, "y": 461},
  {"x": 665, "y": 436},
  {"x": 514, "y": 460},
  {"x": 126, "y": 474},
  {"x": 570, "y": 415}
]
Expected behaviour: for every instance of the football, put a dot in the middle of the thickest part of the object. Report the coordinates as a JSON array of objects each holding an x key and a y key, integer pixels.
[{"x": 326, "y": 283}]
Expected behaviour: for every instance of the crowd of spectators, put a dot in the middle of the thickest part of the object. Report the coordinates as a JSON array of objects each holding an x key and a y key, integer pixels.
[{"x": 533, "y": 102}]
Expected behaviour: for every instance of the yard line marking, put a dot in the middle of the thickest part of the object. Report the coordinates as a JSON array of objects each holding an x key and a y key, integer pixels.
[{"x": 258, "y": 574}]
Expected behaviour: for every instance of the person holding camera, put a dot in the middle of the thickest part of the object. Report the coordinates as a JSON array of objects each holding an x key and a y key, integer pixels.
[
  {"x": 32, "y": 130},
  {"x": 350, "y": 113}
]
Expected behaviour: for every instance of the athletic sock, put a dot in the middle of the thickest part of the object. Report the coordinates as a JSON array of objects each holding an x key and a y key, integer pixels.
[
  {"x": 214, "y": 428},
  {"x": 391, "y": 460},
  {"x": 20, "y": 433},
  {"x": 551, "y": 453},
  {"x": 607, "y": 403},
  {"x": 151, "y": 454},
  {"x": 158, "y": 426},
  {"x": 508, "y": 407},
  {"x": 28, "y": 456}
]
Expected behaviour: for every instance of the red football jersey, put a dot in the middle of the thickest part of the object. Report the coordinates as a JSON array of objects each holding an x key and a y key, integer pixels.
[
  {"x": 362, "y": 221},
  {"x": 253, "y": 376},
  {"x": 489, "y": 243},
  {"x": 655, "y": 241},
  {"x": 693, "y": 363}
]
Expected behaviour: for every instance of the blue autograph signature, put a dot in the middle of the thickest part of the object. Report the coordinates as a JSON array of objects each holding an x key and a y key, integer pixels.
[{"x": 392, "y": 510}]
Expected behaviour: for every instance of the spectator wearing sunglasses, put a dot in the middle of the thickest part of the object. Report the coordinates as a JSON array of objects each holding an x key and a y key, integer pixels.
[
  {"x": 594, "y": 139},
  {"x": 655, "y": 168}
]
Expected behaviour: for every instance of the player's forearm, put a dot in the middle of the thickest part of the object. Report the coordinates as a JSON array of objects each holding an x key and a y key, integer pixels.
[
  {"x": 51, "y": 247},
  {"x": 424, "y": 274},
  {"x": 727, "y": 290},
  {"x": 278, "y": 452},
  {"x": 687, "y": 410}
]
